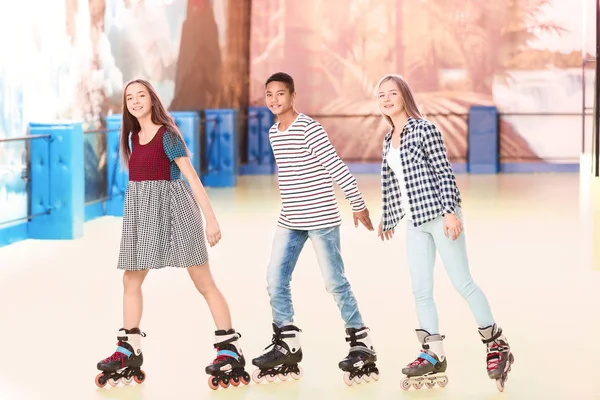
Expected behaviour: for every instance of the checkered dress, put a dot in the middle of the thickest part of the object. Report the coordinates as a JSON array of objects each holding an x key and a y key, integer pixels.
[
  {"x": 162, "y": 223},
  {"x": 432, "y": 189}
]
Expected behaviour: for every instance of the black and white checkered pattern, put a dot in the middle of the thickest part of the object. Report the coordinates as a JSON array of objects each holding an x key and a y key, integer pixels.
[
  {"x": 162, "y": 227},
  {"x": 431, "y": 184}
]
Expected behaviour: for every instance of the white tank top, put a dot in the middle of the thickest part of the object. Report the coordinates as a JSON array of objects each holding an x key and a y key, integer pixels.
[{"x": 393, "y": 160}]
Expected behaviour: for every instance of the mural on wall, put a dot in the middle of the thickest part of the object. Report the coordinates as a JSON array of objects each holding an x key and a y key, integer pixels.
[
  {"x": 454, "y": 54},
  {"x": 72, "y": 58}
]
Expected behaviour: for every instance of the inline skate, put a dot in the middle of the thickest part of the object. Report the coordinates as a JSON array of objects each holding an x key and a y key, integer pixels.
[
  {"x": 124, "y": 364},
  {"x": 283, "y": 358},
  {"x": 499, "y": 357},
  {"x": 430, "y": 366},
  {"x": 359, "y": 365},
  {"x": 228, "y": 366}
]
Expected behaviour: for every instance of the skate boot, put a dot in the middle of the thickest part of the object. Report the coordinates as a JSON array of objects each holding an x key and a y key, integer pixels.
[
  {"x": 499, "y": 357},
  {"x": 359, "y": 365},
  {"x": 228, "y": 366},
  {"x": 125, "y": 363},
  {"x": 283, "y": 358},
  {"x": 430, "y": 366}
]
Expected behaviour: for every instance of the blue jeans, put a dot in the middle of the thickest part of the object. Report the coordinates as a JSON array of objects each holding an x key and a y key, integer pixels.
[
  {"x": 287, "y": 245},
  {"x": 421, "y": 245}
]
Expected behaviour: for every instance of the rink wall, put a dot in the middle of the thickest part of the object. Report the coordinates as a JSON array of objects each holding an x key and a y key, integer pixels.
[{"x": 56, "y": 194}]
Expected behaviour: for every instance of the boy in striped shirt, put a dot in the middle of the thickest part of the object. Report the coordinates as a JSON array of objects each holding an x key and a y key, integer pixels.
[{"x": 308, "y": 165}]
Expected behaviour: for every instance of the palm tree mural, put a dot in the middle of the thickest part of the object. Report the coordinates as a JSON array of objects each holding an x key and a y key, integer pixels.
[{"x": 419, "y": 39}]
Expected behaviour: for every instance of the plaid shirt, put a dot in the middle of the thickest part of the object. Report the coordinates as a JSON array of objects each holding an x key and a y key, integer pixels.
[{"x": 432, "y": 189}]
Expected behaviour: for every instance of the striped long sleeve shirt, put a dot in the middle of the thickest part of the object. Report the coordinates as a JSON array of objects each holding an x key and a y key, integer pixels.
[{"x": 308, "y": 165}]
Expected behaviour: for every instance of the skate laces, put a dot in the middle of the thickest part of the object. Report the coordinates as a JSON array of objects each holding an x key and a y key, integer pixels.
[
  {"x": 494, "y": 356},
  {"x": 277, "y": 337},
  {"x": 116, "y": 356},
  {"x": 419, "y": 361},
  {"x": 220, "y": 357}
]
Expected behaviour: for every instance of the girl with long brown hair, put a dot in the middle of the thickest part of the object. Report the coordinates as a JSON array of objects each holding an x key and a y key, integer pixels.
[
  {"x": 163, "y": 227},
  {"x": 417, "y": 182}
]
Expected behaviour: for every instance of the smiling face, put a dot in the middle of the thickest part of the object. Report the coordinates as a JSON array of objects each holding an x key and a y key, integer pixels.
[
  {"x": 390, "y": 98},
  {"x": 138, "y": 100},
  {"x": 278, "y": 98}
]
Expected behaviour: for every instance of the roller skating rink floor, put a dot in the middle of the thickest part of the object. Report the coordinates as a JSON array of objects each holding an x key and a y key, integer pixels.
[{"x": 529, "y": 244}]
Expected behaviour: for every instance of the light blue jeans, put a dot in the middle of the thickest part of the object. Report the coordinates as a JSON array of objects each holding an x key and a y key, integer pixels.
[
  {"x": 421, "y": 245},
  {"x": 287, "y": 245}
]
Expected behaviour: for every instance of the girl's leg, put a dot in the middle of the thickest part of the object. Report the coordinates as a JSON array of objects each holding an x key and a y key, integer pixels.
[
  {"x": 420, "y": 250},
  {"x": 127, "y": 359},
  {"x": 431, "y": 361},
  {"x": 455, "y": 260},
  {"x": 204, "y": 282},
  {"x": 133, "y": 298},
  {"x": 228, "y": 366}
]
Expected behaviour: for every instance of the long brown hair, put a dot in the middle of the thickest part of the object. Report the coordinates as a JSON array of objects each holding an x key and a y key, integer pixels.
[
  {"x": 130, "y": 124},
  {"x": 410, "y": 105}
]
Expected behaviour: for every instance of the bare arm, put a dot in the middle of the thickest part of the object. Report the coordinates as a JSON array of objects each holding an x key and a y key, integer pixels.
[
  {"x": 188, "y": 171},
  {"x": 176, "y": 152}
]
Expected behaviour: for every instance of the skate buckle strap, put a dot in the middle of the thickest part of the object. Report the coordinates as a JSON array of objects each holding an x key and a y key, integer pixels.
[
  {"x": 228, "y": 341},
  {"x": 493, "y": 337},
  {"x": 228, "y": 353},
  {"x": 124, "y": 351},
  {"x": 427, "y": 357}
]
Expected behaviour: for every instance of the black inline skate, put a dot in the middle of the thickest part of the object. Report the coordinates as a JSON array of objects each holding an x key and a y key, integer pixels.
[
  {"x": 430, "y": 366},
  {"x": 499, "y": 357},
  {"x": 228, "y": 367},
  {"x": 124, "y": 364},
  {"x": 283, "y": 358},
  {"x": 359, "y": 365}
]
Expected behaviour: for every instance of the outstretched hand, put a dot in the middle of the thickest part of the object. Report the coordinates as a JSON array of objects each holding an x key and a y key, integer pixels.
[{"x": 363, "y": 217}]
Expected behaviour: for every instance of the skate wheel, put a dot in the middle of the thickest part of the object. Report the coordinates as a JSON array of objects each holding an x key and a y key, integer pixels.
[
  {"x": 375, "y": 376},
  {"x": 500, "y": 384},
  {"x": 358, "y": 379},
  {"x": 235, "y": 381},
  {"x": 255, "y": 377},
  {"x": 112, "y": 382},
  {"x": 430, "y": 385},
  {"x": 367, "y": 378},
  {"x": 405, "y": 384},
  {"x": 100, "y": 380},
  {"x": 271, "y": 378},
  {"x": 245, "y": 378},
  {"x": 443, "y": 381},
  {"x": 140, "y": 377},
  {"x": 224, "y": 383},
  {"x": 213, "y": 382},
  {"x": 284, "y": 377},
  {"x": 347, "y": 380},
  {"x": 418, "y": 385},
  {"x": 126, "y": 381},
  {"x": 297, "y": 375}
]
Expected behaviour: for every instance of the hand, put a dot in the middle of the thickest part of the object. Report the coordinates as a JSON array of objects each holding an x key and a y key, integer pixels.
[
  {"x": 363, "y": 217},
  {"x": 388, "y": 234},
  {"x": 213, "y": 232},
  {"x": 452, "y": 226}
]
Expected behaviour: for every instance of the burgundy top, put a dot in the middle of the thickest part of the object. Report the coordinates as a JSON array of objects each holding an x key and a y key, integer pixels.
[{"x": 154, "y": 161}]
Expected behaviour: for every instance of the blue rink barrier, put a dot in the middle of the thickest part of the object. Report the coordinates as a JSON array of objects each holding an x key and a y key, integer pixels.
[
  {"x": 188, "y": 123},
  {"x": 483, "y": 154},
  {"x": 220, "y": 130},
  {"x": 57, "y": 182},
  {"x": 260, "y": 155}
]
